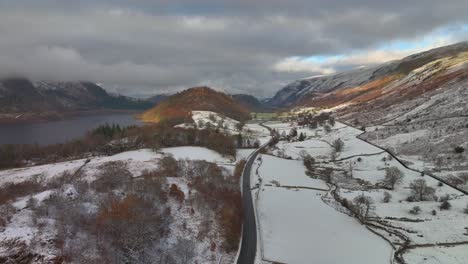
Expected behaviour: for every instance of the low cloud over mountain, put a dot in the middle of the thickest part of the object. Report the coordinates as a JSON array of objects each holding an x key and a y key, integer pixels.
[{"x": 147, "y": 47}]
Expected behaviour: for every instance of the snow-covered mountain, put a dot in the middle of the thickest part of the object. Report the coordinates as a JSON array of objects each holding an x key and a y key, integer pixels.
[
  {"x": 20, "y": 95},
  {"x": 302, "y": 92}
]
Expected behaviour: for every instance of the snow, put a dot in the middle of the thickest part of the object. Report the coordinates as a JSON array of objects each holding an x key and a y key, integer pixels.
[
  {"x": 436, "y": 255},
  {"x": 277, "y": 206},
  {"x": 20, "y": 226},
  {"x": 402, "y": 138},
  {"x": 205, "y": 117},
  {"x": 22, "y": 203},
  {"x": 297, "y": 227},
  {"x": 47, "y": 171},
  {"x": 195, "y": 153},
  {"x": 352, "y": 145},
  {"x": 286, "y": 172},
  {"x": 313, "y": 147},
  {"x": 295, "y": 224}
]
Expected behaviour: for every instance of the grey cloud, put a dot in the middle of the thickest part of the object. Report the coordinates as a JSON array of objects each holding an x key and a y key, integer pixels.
[{"x": 144, "y": 47}]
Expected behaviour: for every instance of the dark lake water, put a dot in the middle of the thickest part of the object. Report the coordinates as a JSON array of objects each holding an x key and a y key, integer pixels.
[{"x": 44, "y": 133}]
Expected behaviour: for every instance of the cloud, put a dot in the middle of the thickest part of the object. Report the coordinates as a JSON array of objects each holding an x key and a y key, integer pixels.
[
  {"x": 150, "y": 46},
  {"x": 296, "y": 64},
  {"x": 358, "y": 58}
]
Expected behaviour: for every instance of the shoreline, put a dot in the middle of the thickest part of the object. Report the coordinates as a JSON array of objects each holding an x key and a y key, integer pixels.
[{"x": 25, "y": 118}]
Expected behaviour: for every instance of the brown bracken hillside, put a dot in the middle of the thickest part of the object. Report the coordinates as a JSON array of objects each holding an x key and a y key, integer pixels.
[{"x": 177, "y": 108}]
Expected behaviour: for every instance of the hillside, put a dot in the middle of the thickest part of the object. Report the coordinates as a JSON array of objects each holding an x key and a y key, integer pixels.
[
  {"x": 368, "y": 83},
  {"x": 177, "y": 108},
  {"x": 156, "y": 99},
  {"x": 249, "y": 101},
  {"x": 21, "y": 96},
  {"x": 415, "y": 107}
]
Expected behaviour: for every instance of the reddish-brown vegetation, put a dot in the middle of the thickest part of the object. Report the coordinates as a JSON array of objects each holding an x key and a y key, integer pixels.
[
  {"x": 177, "y": 108},
  {"x": 177, "y": 193},
  {"x": 239, "y": 169},
  {"x": 357, "y": 94}
]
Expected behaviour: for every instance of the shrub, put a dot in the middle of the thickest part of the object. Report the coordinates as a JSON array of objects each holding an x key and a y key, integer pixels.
[
  {"x": 338, "y": 145},
  {"x": 410, "y": 199},
  {"x": 459, "y": 149},
  {"x": 169, "y": 167},
  {"x": 177, "y": 193},
  {"x": 387, "y": 197},
  {"x": 434, "y": 212},
  {"x": 466, "y": 209},
  {"x": 112, "y": 175},
  {"x": 415, "y": 210},
  {"x": 445, "y": 205},
  {"x": 12, "y": 191},
  {"x": 309, "y": 162}
]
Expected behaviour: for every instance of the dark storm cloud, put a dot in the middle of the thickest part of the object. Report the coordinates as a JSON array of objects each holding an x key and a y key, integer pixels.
[{"x": 143, "y": 47}]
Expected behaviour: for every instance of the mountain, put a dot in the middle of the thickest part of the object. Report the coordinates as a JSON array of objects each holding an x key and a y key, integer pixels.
[
  {"x": 342, "y": 87},
  {"x": 156, "y": 99},
  {"x": 20, "y": 95},
  {"x": 249, "y": 101},
  {"x": 178, "y": 107},
  {"x": 417, "y": 107}
]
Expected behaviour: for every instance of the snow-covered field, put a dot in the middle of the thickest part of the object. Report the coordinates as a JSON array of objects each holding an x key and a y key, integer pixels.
[
  {"x": 297, "y": 213},
  {"x": 277, "y": 171},
  {"x": 296, "y": 226}
]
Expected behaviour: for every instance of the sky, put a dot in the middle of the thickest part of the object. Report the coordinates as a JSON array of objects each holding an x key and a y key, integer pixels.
[{"x": 147, "y": 47}]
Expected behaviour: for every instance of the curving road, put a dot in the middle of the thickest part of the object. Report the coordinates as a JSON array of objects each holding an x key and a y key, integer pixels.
[{"x": 249, "y": 228}]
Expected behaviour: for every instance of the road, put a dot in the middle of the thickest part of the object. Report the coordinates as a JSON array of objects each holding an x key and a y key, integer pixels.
[{"x": 249, "y": 228}]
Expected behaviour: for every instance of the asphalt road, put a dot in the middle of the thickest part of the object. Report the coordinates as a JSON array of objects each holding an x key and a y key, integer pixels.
[{"x": 249, "y": 228}]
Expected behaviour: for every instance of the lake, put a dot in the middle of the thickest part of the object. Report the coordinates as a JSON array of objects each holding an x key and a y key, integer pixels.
[{"x": 50, "y": 132}]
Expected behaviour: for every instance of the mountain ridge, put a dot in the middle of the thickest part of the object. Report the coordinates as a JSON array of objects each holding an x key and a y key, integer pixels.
[
  {"x": 301, "y": 91},
  {"x": 20, "y": 96}
]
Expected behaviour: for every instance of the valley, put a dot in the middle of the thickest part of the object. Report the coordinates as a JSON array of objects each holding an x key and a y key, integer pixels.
[{"x": 367, "y": 166}]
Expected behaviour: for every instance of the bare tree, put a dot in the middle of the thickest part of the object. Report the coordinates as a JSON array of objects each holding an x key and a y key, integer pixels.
[
  {"x": 350, "y": 169},
  {"x": 240, "y": 125},
  {"x": 331, "y": 121},
  {"x": 387, "y": 197},
  {"x": 363, "y": 206},
  {"x": 338, "y": 145},
  {"x": 393, "y": 176},
  {"x": 200, "y": 123},
  {"x": 421, "y": 191}
]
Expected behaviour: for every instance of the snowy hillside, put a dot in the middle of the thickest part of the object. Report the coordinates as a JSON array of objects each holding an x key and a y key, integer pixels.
[
  {"x": 304, "y": 92},
  {"x": 336, "y": 185},
  {"x": 47, "y": 224}
]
